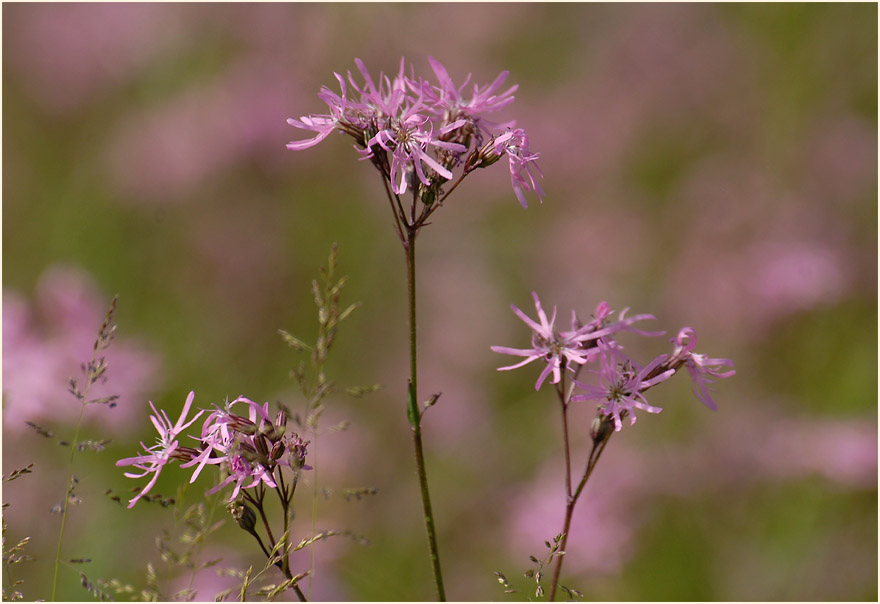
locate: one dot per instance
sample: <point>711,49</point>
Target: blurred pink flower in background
<point>46,340</point>
<point>589,236</point>
<point>766,446</point>
<point>604,523</point>
<point>170,150</point>
<point>644,74</point>
<point>71,54</point>
<point>798,275</point>
<point>453,353</point>
<point>840,159</point>
<point>798,255</point>
<point>746,450</point>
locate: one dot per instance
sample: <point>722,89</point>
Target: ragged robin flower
<point>621,384</point>
<point>416,130</point>
<point>702,369</point>
<point>166,449</point>
<point>561,349</point>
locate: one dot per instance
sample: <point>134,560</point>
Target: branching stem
<point>572,497</point>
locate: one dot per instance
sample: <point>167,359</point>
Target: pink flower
<point>703,370</point>
<point>47,337</point>
<point>404,116</point>
<point>239,471</point>
<point>558,349</point>
<point>515,144</point>
<point>389,98</point>
<point>161,453</point>
<point>450,100</point>
<point>621,384</point>
<point>220,430</point>
<point>407,140</point>
<point>323,124</point>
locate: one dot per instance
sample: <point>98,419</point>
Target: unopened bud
<point>433,400</point>
<point>242,424</point>
<point>243,515</point>
<point>483,157</point>
<point>184,454</point>
<point>601,427</point>
<point>261,444</point>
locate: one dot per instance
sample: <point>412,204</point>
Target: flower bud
<point>243,515</point>
<point>427,195</point>
<point>241,424</point>
<point>601,427</point>
<point>483,157</point>
<point>277,451</point>
<point>184,454</point>
<point>261,444</point>
<point>281,418</point>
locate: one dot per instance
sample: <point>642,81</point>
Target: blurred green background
<point>715,165</point>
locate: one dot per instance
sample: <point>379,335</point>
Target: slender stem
<point>256,536</point>
<point>73,446</point>
<point>591,464</point>
<point>563,404</point>
<point>592,460</point>
<point>569,509</point>
<point>287,573</point>
<point>571,498</point>
<point>415,417</point>
<point>259,505</point>
<point>285,535</point>
<point>314,454</point>
<point>397,217</point>
<point>426,212</point>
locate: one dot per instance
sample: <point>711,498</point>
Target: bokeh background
<point>715,165</point>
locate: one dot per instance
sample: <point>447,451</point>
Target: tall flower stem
<point>571,499</point>
<point>414,414</point>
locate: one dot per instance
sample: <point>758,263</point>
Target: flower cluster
<point>247,449</point>
<point>417,132</point>
<point>621,381</point>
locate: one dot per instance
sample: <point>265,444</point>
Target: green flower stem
<point>571,498</point>
<point>73,447</point>
<point>283,564</point>
<point>415,416</point>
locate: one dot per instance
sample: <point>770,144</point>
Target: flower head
<point>621,384</point>
<point>557,349</point>
<point>240,470</point>
<point>702,369</point>
<point>161,453</point>
<point>408,140</point>
<point>515,144</point>
<point>414,129</point>
<point>561,349</point>
<point>450,101</point>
